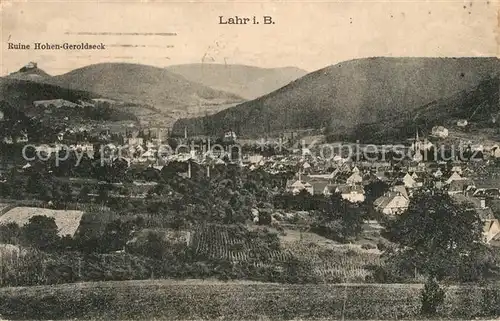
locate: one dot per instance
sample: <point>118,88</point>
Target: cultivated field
<point>202,300</point>
<point>340,264</point>
<point>5,207</point>
<point>329,261</point>
<point>67,221</point>
<point>215,242</point>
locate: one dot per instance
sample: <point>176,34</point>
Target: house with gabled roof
<point>319,186</point>
<point>392,202</point>
<point>355,178</point>
<point>401,189</point>
<point>438,173</point>
<point>330,189</point>
<point>492,181</point>
<point>460,186</point>
<point>381,176</point>
<point>409,181</point>
<point>486,191</point>
<point>147,156</point>
<point>491,225</point>
<point>297,186</point>
<point>329,176</point>
<point>495,151</point>
<point>345,167</point>
<point>352,193</point>
<point>454,177</point>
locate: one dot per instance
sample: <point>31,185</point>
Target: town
<point>385,183</point>
<point>93,189</point>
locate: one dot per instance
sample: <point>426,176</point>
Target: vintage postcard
<point>238,160</point>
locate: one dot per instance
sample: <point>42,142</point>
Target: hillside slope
<point>480,106</point>
<point>246,81</point>
<point>345,95</point>
<point>16,104</point>
<point>142,84</point>
<point>22,93</point>
<point>32,74</point>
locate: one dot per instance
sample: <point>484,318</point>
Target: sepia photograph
<point>235,160</point>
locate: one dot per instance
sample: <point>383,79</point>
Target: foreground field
<point>182,300</point>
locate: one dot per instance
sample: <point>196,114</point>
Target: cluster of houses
<point>475,186</point>
<point>473,183</point>
<point>461,182</point>
<point>349,186</point>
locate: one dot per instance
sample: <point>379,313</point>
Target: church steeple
<point>417,147</point>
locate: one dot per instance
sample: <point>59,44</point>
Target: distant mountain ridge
<point>155,95</point>
<point>246,81</point>
<point>341,97</point>
<point>143,84</point>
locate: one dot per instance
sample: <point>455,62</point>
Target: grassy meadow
<point>242,300</point>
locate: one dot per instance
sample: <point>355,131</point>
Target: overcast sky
<point>308,35</point>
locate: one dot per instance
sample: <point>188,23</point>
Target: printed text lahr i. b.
<point>237,20</point>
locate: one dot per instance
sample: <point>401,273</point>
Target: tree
<point>151,174</point>
<point>83,195</point>
<point>103,194</point>
<point>67,194</point>
<point>432,297</point>
<point>116,235</point>
<point>439,238</point>
<point>56,193</point>
<point>44,194</point>
<point>375,190</point>
<point>117,171</point>
<point>34,183</point>
<point>10,233</point>
<point>155,246</point>
<point>84,167</point>
<point>41,232</point>
<point>265,217</point>
<point>339,219</point>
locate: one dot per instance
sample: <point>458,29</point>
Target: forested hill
<point>345,95</point>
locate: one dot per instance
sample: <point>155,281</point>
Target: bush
<point>490,301</point>
<point>432,297</point>
<point>10,233</point>
<point>368,246</point>
<point>384,245</point>
<point>265,217</point>
<point>41,233</point>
